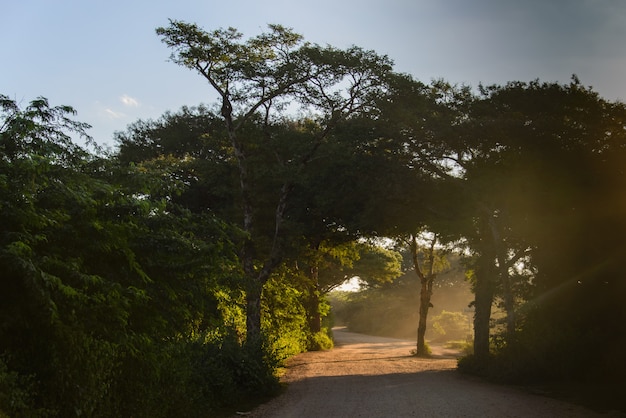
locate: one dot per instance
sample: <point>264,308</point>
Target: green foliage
<point>466,347</point>
<point>199,376</point>
<point>257,80</point>
<point>276,67</point>
<point>377,265</point>
<point>549,173</point>
<point>124,277</point>
<point>285,318</point>
<point>320,341</point>
<point>17,393</point>
<point>450,326</point>
<point>112,294</point>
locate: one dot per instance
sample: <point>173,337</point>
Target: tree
<point>55,299</point>
<point>192,148</point>
<point>543,172</point>
<point>327,266</point>
<point>107,285</point>
<point>426,289</point>
<point>413,128</point>
<point>259,80</point>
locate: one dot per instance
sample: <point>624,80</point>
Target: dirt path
<point>367,376</point>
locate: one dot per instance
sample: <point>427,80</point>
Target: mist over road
<point>367,376</point>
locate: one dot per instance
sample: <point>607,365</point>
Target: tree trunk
<point>482,303</point>
<point>253,313</point>
<point>315,318</point>
<point>256,278</point>
<point>509,303</point>
<point>426,292</point>
<point>484,289</point>
<point>425,295</point>
<point>254,285</point>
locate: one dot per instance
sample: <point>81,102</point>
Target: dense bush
<point>284,322</point>
<point>546,351</point>
<point>115,301</point>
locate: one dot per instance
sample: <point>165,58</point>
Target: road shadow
<point>427,393</point>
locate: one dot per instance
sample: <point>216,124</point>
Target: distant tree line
<point>174,274</point>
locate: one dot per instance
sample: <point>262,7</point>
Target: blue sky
<point>104,58</point>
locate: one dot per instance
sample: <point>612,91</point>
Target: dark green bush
<point>16,394</point>
<point>198,376</point>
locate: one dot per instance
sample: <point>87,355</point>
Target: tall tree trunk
<point>484,288</point>
<point>426,292</point>
<point>315,318</point>
<point>254,288</point>
<point>425,296</point>
<point>258,278</point>
<point>253,313</point>
<point>255,278</point>
<point>483,291</point>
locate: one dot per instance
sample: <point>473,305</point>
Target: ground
<point>367,376</point>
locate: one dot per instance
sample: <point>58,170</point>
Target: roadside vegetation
<point>173,275</point>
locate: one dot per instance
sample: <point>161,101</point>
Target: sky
<point>104,58</point>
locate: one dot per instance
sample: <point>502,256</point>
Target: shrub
<point>284,320</point>
<point>320,341</point>
<point>16,394</point>
<point>199,376</point>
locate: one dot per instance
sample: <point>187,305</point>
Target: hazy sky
<point>104,58</point>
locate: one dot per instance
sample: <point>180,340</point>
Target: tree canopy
<point>200,252</point>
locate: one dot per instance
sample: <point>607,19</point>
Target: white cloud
<point>129,101</point>
<point>113,114</point>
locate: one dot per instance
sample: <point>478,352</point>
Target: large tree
<point>261,80</point>
<point>411,136</point>
<point>548,179</point>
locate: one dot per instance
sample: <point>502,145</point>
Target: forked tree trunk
<point>425,296</point>
<point>254,283</point>
<point>426,292</point>
<point>258,277</point>
<point>255,278</point>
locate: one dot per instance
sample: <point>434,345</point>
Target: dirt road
<point>368,376</point>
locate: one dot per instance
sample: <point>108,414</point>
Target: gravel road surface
<point>367,376</point>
